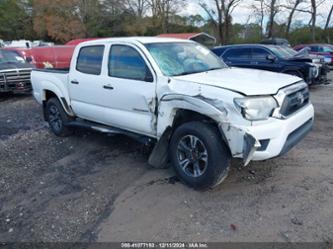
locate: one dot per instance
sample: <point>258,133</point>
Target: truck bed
<point>53,70</point>
<point>54,80</point>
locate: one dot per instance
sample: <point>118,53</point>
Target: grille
<point>295,101</point>
<point>15,80</point>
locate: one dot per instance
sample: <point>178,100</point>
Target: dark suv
<point>269,57</point>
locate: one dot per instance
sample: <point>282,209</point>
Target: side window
<point>125,62</point>
<point>314,49</point>
<point>259,54</point>
<point>327,50</point>
<point>90,60</point>
<point>237,54</point>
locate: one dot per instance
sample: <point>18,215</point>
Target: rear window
<point>90,60</point>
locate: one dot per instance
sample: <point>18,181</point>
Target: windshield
<point>283,52</point>
<point>182,58</point>
<point>10,57</point>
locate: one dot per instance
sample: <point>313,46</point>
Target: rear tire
<point>199,156</point>
<point>57,118</point>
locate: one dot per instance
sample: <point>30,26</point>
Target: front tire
<point>199,156</point>
<point>57,118</point>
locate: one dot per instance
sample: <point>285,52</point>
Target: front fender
<point>240,142</point>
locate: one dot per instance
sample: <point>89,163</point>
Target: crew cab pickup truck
<point>178,96</point>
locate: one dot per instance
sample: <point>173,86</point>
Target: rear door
<point>88,97</point>
<point>237,57</point>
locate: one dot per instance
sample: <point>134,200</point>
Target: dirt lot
<point>93,187</point>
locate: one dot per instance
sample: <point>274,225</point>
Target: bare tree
<point>162,10</point>
<point>328,21</point>
<point>221,17</point>
<point>259,11</point>
<point>138,7</point>
<point>273,9</point>
<point>269,9</point>
<point>293,8</point>
<point>314,9</point>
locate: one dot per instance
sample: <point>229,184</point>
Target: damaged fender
<point>241,143</point>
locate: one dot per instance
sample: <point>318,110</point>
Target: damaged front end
<point>241,143</point>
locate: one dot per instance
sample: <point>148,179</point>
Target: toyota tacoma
<point>197,112</point>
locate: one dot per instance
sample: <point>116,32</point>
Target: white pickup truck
<point>177,95</point>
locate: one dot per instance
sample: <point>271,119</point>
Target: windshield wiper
<point>193,72</point>
<point>214,68</point>
<point>187,73</point>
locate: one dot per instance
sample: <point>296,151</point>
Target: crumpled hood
<point>245,81</point>
<point>13,65</point>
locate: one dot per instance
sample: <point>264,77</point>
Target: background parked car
<point>317,60</point>
<point>325,50</point>
<point>14,72</point>
<point>268,57</point>
<point>46,57</point>
<point>58,56</point>
<point>20,44</point>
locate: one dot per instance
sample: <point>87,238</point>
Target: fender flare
<point>57,92</point>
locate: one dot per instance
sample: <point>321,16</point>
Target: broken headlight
<point>256,108</point>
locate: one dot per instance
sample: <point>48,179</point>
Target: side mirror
<point>271,58</point>
<point>149,77</point>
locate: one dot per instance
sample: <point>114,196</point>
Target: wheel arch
<point>52,93</point>
<point>175,110</point>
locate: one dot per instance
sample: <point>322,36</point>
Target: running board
<point>109,130</point>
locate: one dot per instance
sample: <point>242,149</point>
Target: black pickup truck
<point>14,73</point>
<point>273,58</point>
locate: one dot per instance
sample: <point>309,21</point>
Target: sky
<point>243,11</point>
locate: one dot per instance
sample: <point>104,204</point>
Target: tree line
<point>63,20</point>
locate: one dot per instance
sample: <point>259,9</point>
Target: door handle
<point>75,82</point>
<point>108,87</point>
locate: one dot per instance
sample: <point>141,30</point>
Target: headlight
<point>314,72</point>
<point>256,108</point>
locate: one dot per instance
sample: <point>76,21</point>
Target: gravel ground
<point>92,187</point>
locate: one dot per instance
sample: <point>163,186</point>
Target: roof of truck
<point>140,39</point>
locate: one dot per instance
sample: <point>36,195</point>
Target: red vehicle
<point>78,41</point>
<point>50,57</point>
<point>47,57</point>
<point>325,50</point>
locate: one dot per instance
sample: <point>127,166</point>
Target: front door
<point>132,90</point>
<point>260,60</point>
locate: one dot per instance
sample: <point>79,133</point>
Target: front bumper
<point>322,78</point>
<point>17,88</point>
<point>279,136</point>
<point>17,81</point>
